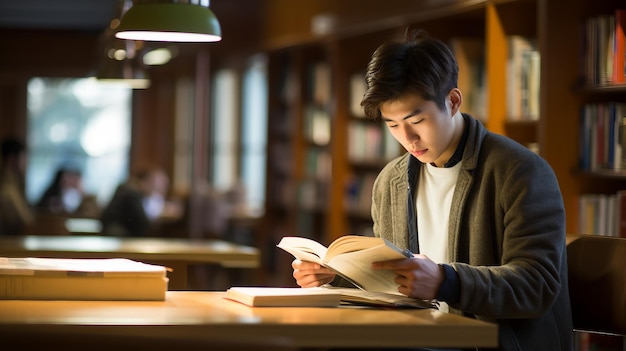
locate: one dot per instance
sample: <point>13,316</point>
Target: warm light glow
<point>76,243</point>
<point>157,57</point>
<point>133,83</point>
<point>83,225</point>
<point>168,36</point>
<point>119,54</point>
<point>114,23</point>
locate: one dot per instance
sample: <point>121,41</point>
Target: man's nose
<point>409,134</point>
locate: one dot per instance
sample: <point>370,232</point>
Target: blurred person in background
<point>65,196</point>
<point>15,213</point>
<point>139,205</point>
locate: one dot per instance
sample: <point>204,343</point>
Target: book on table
<point>324,296</point>
<point>283,297</point>
<point>33,278</point>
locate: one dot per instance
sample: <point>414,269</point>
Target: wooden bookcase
<point>566,89</point>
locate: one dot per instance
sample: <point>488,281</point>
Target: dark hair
<point>418,64</point>
<point>54,192</point>
<point>11,147</point>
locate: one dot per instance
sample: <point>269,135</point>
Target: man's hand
<point>418,277</point>
<point>309,274</point>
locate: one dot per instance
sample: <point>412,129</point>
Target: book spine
<point>619,47</point>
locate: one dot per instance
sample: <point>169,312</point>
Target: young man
<point>483,214</point>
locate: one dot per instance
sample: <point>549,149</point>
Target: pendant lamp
<point>124,71</point>
<point>170,20</point>
<point>120,63</point>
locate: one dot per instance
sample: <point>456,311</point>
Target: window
<point>239,133</point>
<point>254,135</point>
<point>79,124</point>
<point>225,127</point>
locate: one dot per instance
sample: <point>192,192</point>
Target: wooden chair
<point>597,283</point>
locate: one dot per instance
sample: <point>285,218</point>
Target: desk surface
<point>207,318</point>
<point>146,249</point>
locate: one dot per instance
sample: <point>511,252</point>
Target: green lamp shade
<point>175,22</point>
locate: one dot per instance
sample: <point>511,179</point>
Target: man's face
<point>421,127</point>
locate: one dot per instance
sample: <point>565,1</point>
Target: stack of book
<point>81,279</point>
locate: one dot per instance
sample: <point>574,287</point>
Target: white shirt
<point>434,198</point>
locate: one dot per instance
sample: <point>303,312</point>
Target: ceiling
<point>57,14</point>
<point>96,14</point>
<point>239,19</point>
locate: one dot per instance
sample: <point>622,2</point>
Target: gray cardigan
<point>506,238</point>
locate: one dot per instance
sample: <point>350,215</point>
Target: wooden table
<point>177,254</point>
<point>205,320</point>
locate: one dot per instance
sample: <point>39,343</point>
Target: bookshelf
<point>283,102</point>
<point>506,20</point>
<point>363,146</point>
<point>563,46</point>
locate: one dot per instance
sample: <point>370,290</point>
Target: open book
<point>351,256</point>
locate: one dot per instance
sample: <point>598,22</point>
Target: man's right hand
<point>309,274</point>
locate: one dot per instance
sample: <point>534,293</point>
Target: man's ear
<point>454,100</point>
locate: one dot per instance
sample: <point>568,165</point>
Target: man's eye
<point>392,126</point>
<point>416,121</point>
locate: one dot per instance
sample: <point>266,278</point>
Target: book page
<point>303,248</point>
<point>350,243</point>
<point>356,267</point>
<point>380,299</point>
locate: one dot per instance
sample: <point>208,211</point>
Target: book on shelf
<point>603,136</point>
<point>351,257</point>
<point>604,48</point>
<point>470,57</point>
<point>620,214</point>
<point>357,90</point>
<point>365,142</point>
<point>318,125</point>
<point>619,52</point>
<point>522,78</point>
<point>33,278</point>
<point>614,114</point>
<point>321,82</point>
<point>602,214</point>
<point>358,198</point>
<point>599,49</point>
<point>323,296</point>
